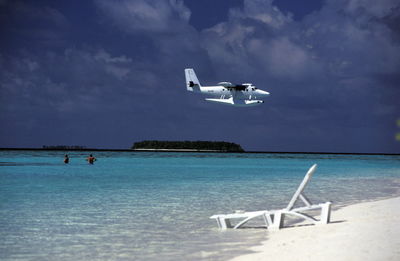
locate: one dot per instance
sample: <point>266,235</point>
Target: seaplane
<point>244,95</point>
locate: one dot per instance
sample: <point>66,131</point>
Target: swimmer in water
<point>66,159</point>
<point>91,159</point>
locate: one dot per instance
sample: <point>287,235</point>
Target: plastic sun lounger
<point>274,219</point>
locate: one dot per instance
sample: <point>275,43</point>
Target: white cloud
<point>259,39</point>
<point>102,55</point>
<point>282,58</point>
<point>151,16</point>
<point>352,32</point>
<point>266,12</point>
<point>116,66</point>
<point>374,8</point>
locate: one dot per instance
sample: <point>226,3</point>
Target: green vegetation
<point>188,145</point>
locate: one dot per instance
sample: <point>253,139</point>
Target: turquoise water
<point>156,206</point>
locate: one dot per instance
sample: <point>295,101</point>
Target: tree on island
<point>188,145</point>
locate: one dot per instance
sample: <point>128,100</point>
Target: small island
<point>63,147</point>
<point>190,146</point>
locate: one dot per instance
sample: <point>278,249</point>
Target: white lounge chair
<point>274,219</point>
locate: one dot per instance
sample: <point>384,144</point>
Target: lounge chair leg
<point>224,223</point>
<point>268,220</point>
<point>325,213</point>
<point>278,221</point>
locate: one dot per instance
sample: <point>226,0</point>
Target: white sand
<point>365,231</point>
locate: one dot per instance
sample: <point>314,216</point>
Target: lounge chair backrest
<point>300,189</point>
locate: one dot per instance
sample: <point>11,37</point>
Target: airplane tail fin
<point>192,83</point>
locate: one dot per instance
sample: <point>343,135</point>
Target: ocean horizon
<point>156,205</point>
<point>87,149</point>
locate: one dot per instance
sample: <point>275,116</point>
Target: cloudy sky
<point>107,73</point>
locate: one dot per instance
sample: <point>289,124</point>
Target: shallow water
<point>155,206</point>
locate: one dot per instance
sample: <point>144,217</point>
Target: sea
<point>156,205</point>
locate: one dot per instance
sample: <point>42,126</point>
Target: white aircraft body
<point>245,94</point>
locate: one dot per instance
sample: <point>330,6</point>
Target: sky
<point>108,73</point>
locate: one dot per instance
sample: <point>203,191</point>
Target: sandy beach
<point>364,231</point>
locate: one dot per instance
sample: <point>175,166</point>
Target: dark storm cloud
<point>83,76</point>
<point>37,25</point>
<point>333,75</point>
<point>331,61</point>
<point>333,41</point>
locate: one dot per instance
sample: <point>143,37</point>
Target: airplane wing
<point>225,84</point>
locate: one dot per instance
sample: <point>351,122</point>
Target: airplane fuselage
<point>245,94</point>
<point>222,92</point>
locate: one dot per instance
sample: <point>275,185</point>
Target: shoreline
<point>207,151</point>
<point>362,231</point>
